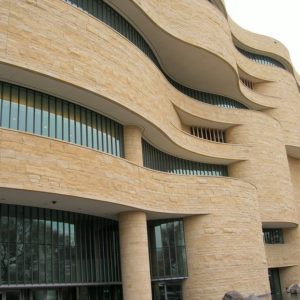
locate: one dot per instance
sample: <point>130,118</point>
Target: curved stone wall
<point>42,164</point>
<point>58,49</point>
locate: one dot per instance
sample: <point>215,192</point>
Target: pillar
<point>133,144</point>
<point>134,256</point>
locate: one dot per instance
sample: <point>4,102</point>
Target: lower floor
<point>52,254</point>
<point>65,293</point>
<point>160,291</point>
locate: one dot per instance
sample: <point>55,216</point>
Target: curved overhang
<point>293,150</point>
<point>193,119</point>
<point>260,44</point>
<point>79,178</point>
<point>257,72</point>
<point>185,61</point>
<point>278,224</point>
<point>170,140</point>
<point>75,204</point>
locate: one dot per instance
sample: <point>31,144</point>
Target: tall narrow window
<point>28,110</point>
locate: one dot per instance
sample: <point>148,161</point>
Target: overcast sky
<point>279,19</point>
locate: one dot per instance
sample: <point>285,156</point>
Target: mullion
<point>26,108</point>
<point>96,250</point>
<point>84,231</point>
<point>110,240</point>
<point>9,110</point>
<point>70,247</point>
<point>1,207</point>
<point>17,261</point>
<point>89,235</point>
<point>1,108</point>
<point>64,246</point>
<point>8,242</point>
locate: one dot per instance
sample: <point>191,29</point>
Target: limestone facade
<point>56,48</point>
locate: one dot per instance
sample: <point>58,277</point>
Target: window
<point>247,83</point>
<point>167,249</point>
<point>158,160</point>
<point>31,111</point>
<point>273,236</point>
<point>44,246</point>
<point>212,134</point>
<point>262,59</point>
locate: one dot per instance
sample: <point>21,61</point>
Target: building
<point>147,149</point>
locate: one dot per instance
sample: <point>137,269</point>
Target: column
<point>133,144</point>
<point>134,256</point>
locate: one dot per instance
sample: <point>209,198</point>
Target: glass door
<point>274,281</point>
<point>45,295</point>
<point>166,291</point>
<point>13,295</point>
<point>10,295</point>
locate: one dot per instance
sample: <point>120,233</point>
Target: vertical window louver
<point>45,246</point>
<point>262,59</point>
<point>109,16</point>
<point>31,111</point>
<point>273,236</point>
<point>247,83</point>
<point>212,134</point>
<point>160,161</point>
<point>208,98</point>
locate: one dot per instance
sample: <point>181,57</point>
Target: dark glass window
<point>31,111</point>
<point>273,236</point>
<point>46,246</point>
<point>212,134</point>
<point>274,278</point>
<point>171,290</point>
<point>158,160</point>
<point>167,249</point>
<point>262,59</point>
<point>103,12</point>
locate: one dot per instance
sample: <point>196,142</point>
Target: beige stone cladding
<point>41,164</point>
<point>224,252</point>
<point>290,256</point>
<point>282,86</point>
<point>37,163</point>
<point>133,145</point>
<point>223,216</point>
<point>72,49</point>
<point>135,267</point>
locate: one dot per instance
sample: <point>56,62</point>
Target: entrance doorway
<point>12,295</point>
<point>166,291</point>
<point>275,284</point>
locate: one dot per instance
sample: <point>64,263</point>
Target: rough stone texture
<point>276,201</point>
<point>52,39</point>
<point>260,42</point>
<point>79,50</point>
<point>43,164</point>
<point>133,144</point>
<point>211,257</point>
<point>136,282</point>
<point>233,295</point>
<point>290,254</point>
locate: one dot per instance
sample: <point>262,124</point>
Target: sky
<point>279,19</point>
